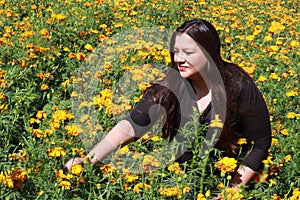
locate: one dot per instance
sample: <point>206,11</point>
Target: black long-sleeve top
<point>252,121</point>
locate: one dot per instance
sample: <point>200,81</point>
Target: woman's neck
<point>200,87</point>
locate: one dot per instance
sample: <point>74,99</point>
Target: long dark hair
<point>206,36</point>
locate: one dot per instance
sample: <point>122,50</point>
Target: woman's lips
<point>182,68</point>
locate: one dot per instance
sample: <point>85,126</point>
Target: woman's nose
<point>178,58</point>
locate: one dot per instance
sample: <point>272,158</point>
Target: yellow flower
<point>130,178</point>
<point>275,141</point>
<point>262,79</point>
<point>88,47</point>
<point>284,132</point>
<point>242,141</point>
<point>294,44</point>
<point>231,194</point>
<point>273,48</point>
<point>41,115</point>
<point>103,26</point>
<point>226,164</point>
<point>292,115</point>
<point>228,39</point>
<point>73,130</point>
<point>207,193</point>
<point>6,179</point>
<point>216,123</point>
<point>268,38</point>
<point>291,93</point>
<point>107,169</point>
<point>296,194</point>
<point>156,138</point>
<point>276,27</point>
<point>186,189</point>
<point>287,158</point>
<point>44,32</point>
<point>76,169</point>
<point>200,197</point>
<point>56,152</point>
<point>175,167</point>
<point>66,185</point>
<point>171,191</point>
<point>250,37</point>
<point>144,85</point>
<point>37,133</point>
<point>221,185</point>
<point>59,17</point>
<point>150,161</point>
<point>44,87</point>
<point>139,186</point>
<point>13,178</point>
<point>124,150</point>
<point>274,76</point>
<point>80,56</point>
<point>272,182</point>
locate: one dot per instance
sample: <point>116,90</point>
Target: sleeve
<point>147,112</point>
<point>255,125</point>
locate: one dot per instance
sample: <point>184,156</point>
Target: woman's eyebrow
<point>185,49</point>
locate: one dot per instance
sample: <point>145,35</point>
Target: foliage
<point>44,43</point>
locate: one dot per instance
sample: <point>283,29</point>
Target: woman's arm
<point>119,134</point>
<point>242,177</point>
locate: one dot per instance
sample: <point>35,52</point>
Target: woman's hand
<point>218,197</point>
<point>71,162</point>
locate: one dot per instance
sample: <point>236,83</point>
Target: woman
<point>195,56</point>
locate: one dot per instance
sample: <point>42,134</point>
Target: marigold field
<point>43,43</point>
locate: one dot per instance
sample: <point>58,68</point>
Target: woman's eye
<point>189,53</point>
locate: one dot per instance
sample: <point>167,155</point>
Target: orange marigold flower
<point>287,158</point>
<point>76,169</point>
<point>284,132</point>
<point>296,194</point>
<point>231,193</point>
<point>13,178</point>
<point>130,178</point>
<point>44,32</point>
<point>80,56</point>
<point>292,115</point>
<point>226,164</point>
<point>41,115</point>
<point>291,93</point>
<point>216,123</point>
<point>56,152</point>
<point>276,27</point>
<point>73,130</point>
<point>139,186</point>
<point>44,87</point>
<point>66,185</point>
<point>37,133</point>
<point>262,79</point>
<point>6,179</point>
<point>242,141</point>
<point>88,47</point>
<point>60,17</point>
<point>200,197</point>
<point>275,142</point>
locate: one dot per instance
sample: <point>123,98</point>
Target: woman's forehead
<point>184,41</point>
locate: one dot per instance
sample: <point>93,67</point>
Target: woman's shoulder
<point>157,92</point>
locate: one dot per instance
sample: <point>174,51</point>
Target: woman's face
<point>188,57</point>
